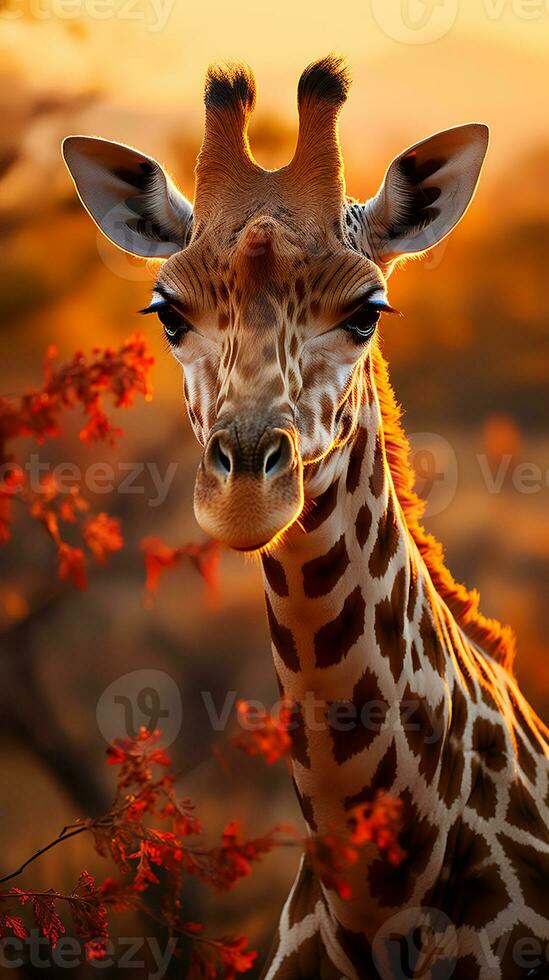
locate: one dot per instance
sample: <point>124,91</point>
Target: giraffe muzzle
<point>249,486</point>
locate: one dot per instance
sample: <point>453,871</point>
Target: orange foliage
<point>262,734</point>
<point>159,557</point>
<point>83,382</point>
<point>149,828</point>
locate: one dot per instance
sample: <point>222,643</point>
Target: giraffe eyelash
<point>362,323</point>
<point>174,323</point>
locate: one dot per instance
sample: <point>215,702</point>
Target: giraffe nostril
<point>278,455</point>
<point>273,458</point>
<point>219,457</point>
<point>223,459</point>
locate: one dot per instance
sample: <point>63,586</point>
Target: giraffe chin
<point>245,515</point>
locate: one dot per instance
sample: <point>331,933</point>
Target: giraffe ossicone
<point>270,294</point>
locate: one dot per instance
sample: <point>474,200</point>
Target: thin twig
<point>53,843</point>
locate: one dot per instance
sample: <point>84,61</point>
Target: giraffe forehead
<point>267,276</point>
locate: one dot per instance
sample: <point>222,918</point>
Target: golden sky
<point>418,65</point>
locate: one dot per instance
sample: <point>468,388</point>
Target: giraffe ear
<point>129,196</point>
<point>425,192</point>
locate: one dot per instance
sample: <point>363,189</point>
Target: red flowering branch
<point>261,734</point>
<point>145,792</point>
<point>159,557</point>
<point>149,828</point>
<point>81,382</point>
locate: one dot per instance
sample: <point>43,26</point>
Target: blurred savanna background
<point>470,362</point>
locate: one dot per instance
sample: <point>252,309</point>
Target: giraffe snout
<point>271,456</point>
<point>249,486</point>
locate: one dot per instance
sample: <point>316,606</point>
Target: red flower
<point>102,535</point>
<point>159,557</point>
<point>262,734</point>
<point>72,566</point>
<point>379,822</point>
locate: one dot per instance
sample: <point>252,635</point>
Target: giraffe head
<point>272,283</point>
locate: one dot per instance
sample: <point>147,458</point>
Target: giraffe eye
<point>363,322</point>
<point>175,325</point>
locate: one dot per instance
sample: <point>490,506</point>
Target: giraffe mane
<point>494,638</point>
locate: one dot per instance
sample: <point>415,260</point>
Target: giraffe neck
<point>352,613</point>
<point>391,695</point>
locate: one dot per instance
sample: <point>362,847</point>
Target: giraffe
<point>270,290</point>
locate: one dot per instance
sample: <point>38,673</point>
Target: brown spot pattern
<point>532,869</point>
<point>322,574</point>
<point>433,646</point>
<point>377,478</point>
<point>451,773</point>
<point>275,575</point>
<point>393,886</point>
<point>389,626</point>
<point>490,743</point>
<point>355,727</point>
<point>300,750</point>
<point>383,778</point>
<point>333,641</point>
<point>386,543</point>
<point>421,725</point>
<point>321,508</point>
<point>363,524</point>
<point>356,457</point>
<point>283,640</point>
<point>483,797</point>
